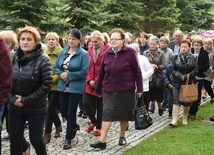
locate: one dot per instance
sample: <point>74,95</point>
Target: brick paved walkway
<point>80,145</point>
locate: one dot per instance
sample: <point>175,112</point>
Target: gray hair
<point>154,38</point>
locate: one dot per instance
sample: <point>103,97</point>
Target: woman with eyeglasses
<point>119,79</point>
<point>72,67</point>
<point>203,65</point>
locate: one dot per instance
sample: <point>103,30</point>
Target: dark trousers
<point>208,88</point>
<point>170,99</point>
<point>94,105</point>
<point>194,108</point>
<point>52,116</point>
<point>146,100</point>
<point>16,131</point>
<point>1,113</point>
<point>5,116</point>
<point>68,106</point>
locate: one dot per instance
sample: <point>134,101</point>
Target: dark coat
<point>172,46</point>
<point>32,79</point>
<point>5,73</point>
<point>203,62</point>
<point>181,66</point>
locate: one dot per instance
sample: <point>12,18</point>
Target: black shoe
<point>98,144</point>
<point>73,135</point>
<point>67,144</point>
<point>212,100</point>
<point>212,119</point>
<point>122,141</point>
<point>84,116</point>
<point>160,112</point>
<point>192,116</point>
<point>80,114</point>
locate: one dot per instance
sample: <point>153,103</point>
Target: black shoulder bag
<point>141,116</point>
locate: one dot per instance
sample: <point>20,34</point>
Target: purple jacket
<point>120,72</point>
<point>5,73</point>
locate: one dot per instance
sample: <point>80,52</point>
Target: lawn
<point>196,138</point>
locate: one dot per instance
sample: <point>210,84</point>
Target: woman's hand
<point>64,76</point>
<point>139,94</point>
<point>92,84</point>
<point>154,66</point>
<point>18,102</point>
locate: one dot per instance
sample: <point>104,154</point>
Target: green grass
<point>196,138</point>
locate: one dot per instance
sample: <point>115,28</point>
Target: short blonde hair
<point>198,39</point>
<point>97,34</point>
<point>54,34</point>
<point>106,37</point>
<point>209,41</point>
<point>30,29</point>
<point>9,37</point>
<point>164,38</point>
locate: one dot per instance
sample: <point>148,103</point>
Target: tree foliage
<point>132,15</point>
<point>195,14</point>
<point>31,12</point>
<point>160,17</point>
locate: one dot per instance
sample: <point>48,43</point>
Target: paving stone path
<point>80,145</point>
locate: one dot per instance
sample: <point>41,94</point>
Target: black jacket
<point>182,65</point>
<point>203,62</point>
<point>32,79</point>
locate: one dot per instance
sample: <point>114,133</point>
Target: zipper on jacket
<point>20,70</point>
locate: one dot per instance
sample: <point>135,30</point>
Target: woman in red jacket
<point>92,103</point>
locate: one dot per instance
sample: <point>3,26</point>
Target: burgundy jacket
<point>120,72</point>
<point>5,73</point>
<point>94,68</point>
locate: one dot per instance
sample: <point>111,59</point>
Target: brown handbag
<point>188,92</point>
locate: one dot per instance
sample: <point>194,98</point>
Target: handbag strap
<point>187,79</point>
<point>140,102</point>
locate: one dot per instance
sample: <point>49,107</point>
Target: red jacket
<point>94,68</point>
<point>5,73</point>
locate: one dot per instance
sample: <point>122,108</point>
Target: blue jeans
<point>68,106</point>
<point>1,113</point>
<point>16,131</point>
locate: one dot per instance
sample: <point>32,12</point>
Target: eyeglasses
<point>115,39</point>
<point>196,45</point>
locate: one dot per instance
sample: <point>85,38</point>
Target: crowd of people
<point>102,74</point>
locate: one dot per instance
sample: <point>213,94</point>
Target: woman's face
<point>185,48</point>
<point>52,42</point>
<point>153,45</point>
<point>207,46</point>
<point>86,38</point>
<point>116,41</point>
<point>143,39</point>
<point>197,47</point>
<point>96,42</point>
<point>163,44</point>
<point>27,42</point>
<point>73,41</point>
